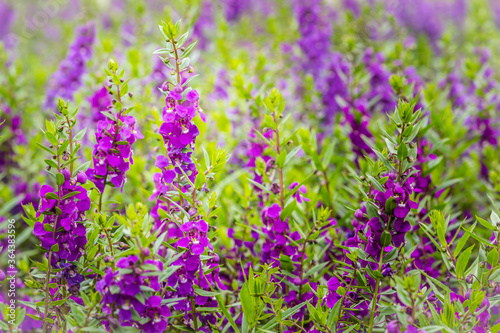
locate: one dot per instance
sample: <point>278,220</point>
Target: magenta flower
<point>196,237</point>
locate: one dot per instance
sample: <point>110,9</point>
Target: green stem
<point>375,294</point>
<point>193,311</point>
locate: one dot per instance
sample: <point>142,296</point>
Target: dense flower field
<point>250,166</point>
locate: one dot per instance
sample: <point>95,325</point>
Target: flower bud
<point>145,252</point>
<point>112,65</point>
<point>81,177</point>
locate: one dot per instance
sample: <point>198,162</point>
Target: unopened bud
<point>145,252</point>
<point>130,95</point>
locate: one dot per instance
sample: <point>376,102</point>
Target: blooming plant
<point>273,166</point>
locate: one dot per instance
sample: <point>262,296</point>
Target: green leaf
<point>59,178</point>
<point>402,152</point>
<point>462,262</point>
<point>69,195</point>
<point>280,161</point>
<point>486,224</point>
<point>250,305</point>
<point>463,240</point>
<point>188,49</point>
<point>52,139</point>
<point>58,303</point>
<point>492,257</point>
<point>269,122</point>
<point>45,148</point>
<point>286,314</point>
<point>55,247</point>
<point>202,292</point>
<point>288,210</point>
<point>52,164</point>
<point>63,147</point>
<point>51,195</point>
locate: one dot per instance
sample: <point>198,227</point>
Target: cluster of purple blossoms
<point>203,25</point>
<point>438,13</point>
<point>7,17</point>
<point>393,205</point>
<point>68,77</point>
<point>457,90</point>
<point>123,294</point>
<point>190,276</point>
<point>112,154</point>
<point>99,101</point>
<point>360,310</point>
<point>234,9</point>
<point>380,86</point>
<point>358,118</point>
<point>406,13</point>
<point>276,243</point>
<point>66,229</point>
<point>335,86</point>
<point>179,133</point>
<point>12,134</point>
<point>316,32</point>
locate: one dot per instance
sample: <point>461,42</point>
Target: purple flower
<point>158,314</point>
<point>332,297</point>
<point>68,77</point>
<point>297,195</point>
<point>392,327</point>
<point>196,237</point>
<point>112,154</point>
<point>72,238</point>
